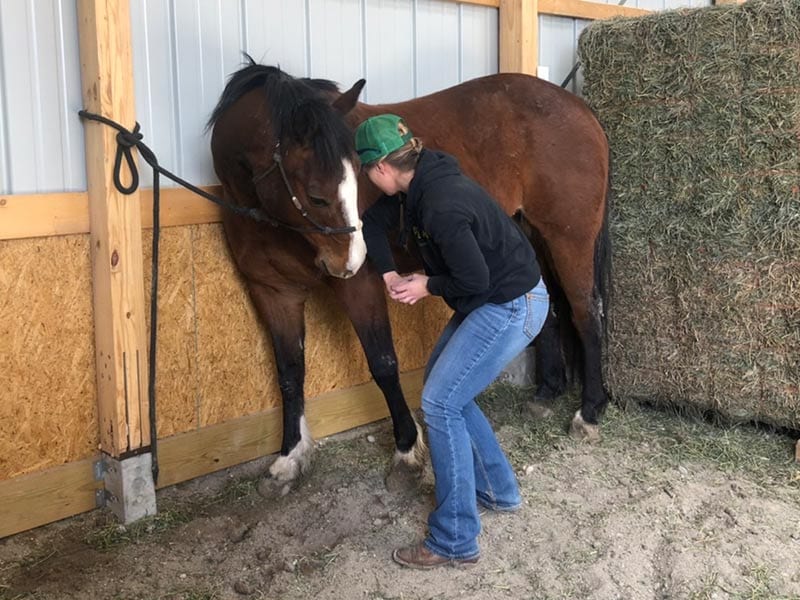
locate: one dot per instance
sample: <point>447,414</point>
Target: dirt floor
<point>662,507</point>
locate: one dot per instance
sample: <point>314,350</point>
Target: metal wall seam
<point>5,161</point>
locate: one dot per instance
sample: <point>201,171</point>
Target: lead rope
<point>128,139</point>
<point>125,141</point>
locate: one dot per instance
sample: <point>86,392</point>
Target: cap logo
<point>379,136</point>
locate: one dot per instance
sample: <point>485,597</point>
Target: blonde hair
<point>406,157</point>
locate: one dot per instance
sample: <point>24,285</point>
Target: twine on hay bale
<point>702,111</point>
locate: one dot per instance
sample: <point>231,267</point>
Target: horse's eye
<point>320,202</point>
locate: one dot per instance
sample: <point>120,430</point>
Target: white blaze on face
<point>348,197</point>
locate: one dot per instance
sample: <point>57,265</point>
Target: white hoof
<point>294,464</point>
<point>415,457</point>
<point>581,430</point>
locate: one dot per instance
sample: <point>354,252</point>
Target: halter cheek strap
<point>316,227</point>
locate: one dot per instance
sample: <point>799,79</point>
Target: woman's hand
<point>409,288</point>
<point>391,279</point>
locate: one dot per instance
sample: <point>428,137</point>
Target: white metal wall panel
<point>556,48</point>
<point>41,137</point>
<point>479,41</point>
<point>389,64</point>
<point>276,33</point>
<point>184,50</point>
<point>153,57</point>
<point>336,40</point>
<point>437,46</point>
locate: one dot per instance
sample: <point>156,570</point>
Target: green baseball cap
<point>381,135</point>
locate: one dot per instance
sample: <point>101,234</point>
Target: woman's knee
<point>436,405</point>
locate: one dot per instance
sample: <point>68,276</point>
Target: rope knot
<point>125,141</point>
<point>129,139</point>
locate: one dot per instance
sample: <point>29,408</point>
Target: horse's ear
<point>345,103</point>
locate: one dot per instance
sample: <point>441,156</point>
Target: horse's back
<point>533,145</point>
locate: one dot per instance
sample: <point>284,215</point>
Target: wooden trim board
<point>593,11</point>
<point>39,498</point>
<point>67,213</point>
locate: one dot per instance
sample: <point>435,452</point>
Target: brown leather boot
<point>419,557</point>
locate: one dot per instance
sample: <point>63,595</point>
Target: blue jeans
<point>468,463</point>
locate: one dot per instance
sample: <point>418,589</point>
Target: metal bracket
<point>128,486</point>
<point>99,469</point>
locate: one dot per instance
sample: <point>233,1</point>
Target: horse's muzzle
<point>341,274</point>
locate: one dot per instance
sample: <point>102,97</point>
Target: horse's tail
<point>603,268</point>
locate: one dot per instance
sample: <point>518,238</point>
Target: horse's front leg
<point>364,301</point>
<point>283,316</point>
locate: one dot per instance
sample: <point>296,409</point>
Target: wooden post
<point>116,245</point>
<point>519,36</point>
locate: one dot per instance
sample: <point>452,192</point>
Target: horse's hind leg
<point>550,372</point>
<point>364,301</point>
<point>283,316</point>
<point>573,259</point>
<point>551,379</point>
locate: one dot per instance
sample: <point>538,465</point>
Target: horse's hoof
<point>271,488</point>
<point>539,410</point>
<point>294,464</point>
<point>403,477</point>
<point>581,430</point>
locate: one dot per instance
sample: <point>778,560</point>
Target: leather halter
<point>317,228</point>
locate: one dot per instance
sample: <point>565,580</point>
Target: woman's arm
<point>379,219</point>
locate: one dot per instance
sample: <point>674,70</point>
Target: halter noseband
<point>317,228</point>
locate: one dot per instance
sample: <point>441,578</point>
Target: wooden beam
<point>489,3</point>
<point>580,9</point>
<point>190,455</point>
<point>116,230</point>
<point>42,215</point>
<point>32,500</point>
<point>179,206</point>
<point>38,498</point>
<point>519,36</point>
<point>577,9</point>
<point>67,213</point>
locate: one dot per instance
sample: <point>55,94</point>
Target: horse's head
<point>292,143</point>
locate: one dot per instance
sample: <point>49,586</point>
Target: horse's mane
<point>300,109</point>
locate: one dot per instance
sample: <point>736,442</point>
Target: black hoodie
<point>473,253</point>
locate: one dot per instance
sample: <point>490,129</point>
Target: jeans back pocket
<point>538,305</point>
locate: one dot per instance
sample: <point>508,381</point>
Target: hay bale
<point>702,111</point>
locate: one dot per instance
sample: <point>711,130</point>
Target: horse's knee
<point>384,371</point>
<point>383,366</point>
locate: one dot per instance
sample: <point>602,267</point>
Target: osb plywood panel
<point>48,406</point>
<point>236,371</point>
<point>177,400</point>
<point>214,360</point>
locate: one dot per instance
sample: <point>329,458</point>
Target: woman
<point>480,263</point>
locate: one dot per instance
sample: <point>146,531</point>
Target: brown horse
<point>284,146</point>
